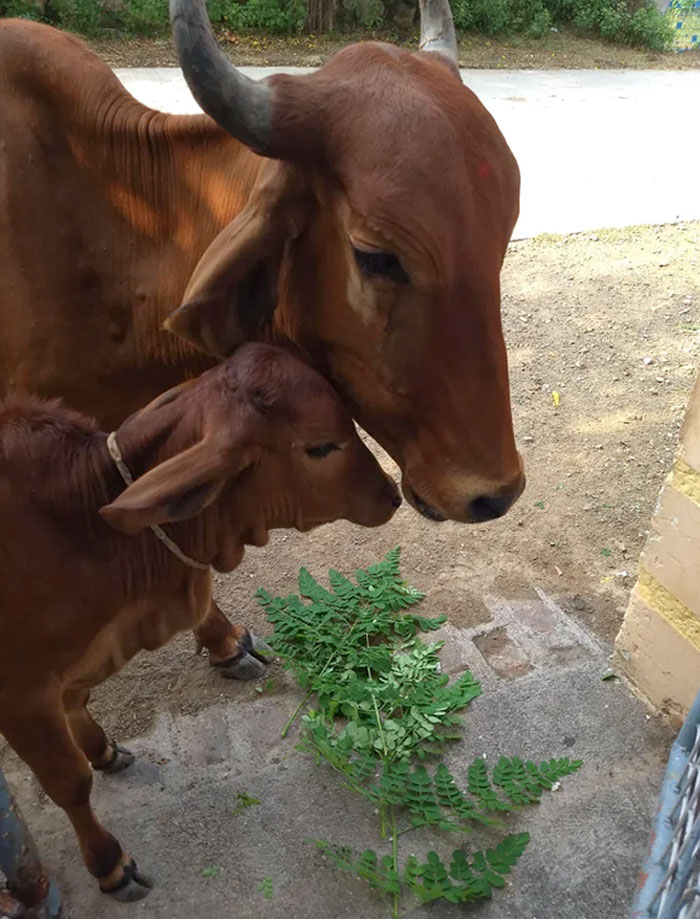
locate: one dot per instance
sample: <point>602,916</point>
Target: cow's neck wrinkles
<point>171,184</point>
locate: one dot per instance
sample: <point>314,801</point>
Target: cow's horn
<point>238,104</point>
<point>437,29</point>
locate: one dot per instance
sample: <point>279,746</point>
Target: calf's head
<point>265,437</point>
<point>373,238</point>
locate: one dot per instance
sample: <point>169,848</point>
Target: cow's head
<point>374,239</point>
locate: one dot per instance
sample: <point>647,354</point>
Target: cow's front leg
<point>38,731</point>
<point>233,650</point>
<point>105,755</point>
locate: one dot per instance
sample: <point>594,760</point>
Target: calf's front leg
<point>105,755</point>
<point>39,733</point>
<point>233,650</point>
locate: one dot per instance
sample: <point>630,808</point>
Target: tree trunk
<point>320,16</point>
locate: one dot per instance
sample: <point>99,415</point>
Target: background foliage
<point>633,22</point>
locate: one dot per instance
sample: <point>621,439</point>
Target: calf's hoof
<point>250,662</point>
<point>9,907</point>
<point>120,760</point>
<point>133,886</point>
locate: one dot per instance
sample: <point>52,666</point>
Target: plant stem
<point>380,728</point>
<point>395,858</point>
<point>299,707</point>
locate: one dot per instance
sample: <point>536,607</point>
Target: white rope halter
<point>116,455</point>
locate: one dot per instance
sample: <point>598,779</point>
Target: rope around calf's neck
<point>173,547</point>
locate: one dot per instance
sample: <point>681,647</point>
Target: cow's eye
<point>385,264</point>
<point>322,450</point>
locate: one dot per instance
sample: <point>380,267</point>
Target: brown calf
<point>259,442</point>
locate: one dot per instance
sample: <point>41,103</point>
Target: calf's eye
<point>322,450</point>
<point>384,264</point>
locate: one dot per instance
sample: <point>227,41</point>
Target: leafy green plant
<point>277,16</point>
<point>463,14</point>
<point>243,802</point>
<point>491,16</point>
<point>383,712</point>
<point>77,15</point>
<point>635,22</point>
<point>22,9</point>
<point>144,17</point>
<point>647,27</point>
<point>529,16</point>
<point>616,21</point>
<point>266,888</point>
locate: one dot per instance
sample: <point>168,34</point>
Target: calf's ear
<point>178,489</point>
<point>232,293</point>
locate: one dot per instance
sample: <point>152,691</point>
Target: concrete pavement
<point>595,148</point>
<point>543,696</point>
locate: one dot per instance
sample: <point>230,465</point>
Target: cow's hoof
<point>133,886</point>
<point>244,667</point>
<point>250,662</point>
<point>121,759</point>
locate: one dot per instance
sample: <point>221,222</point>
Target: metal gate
<point>669,887</point>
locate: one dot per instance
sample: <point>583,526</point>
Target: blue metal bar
<point>26,882</point>
<point>653,882</point>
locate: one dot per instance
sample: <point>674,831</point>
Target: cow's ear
<point>232,293</point>
<point>178,489</point>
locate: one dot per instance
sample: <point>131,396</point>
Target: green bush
<point>497,16</point>
<point>143,17</point>
<point>147,17</point>
<point>84,16</point>
<point>647,27</point>
<point>266,15</point>
<point>613,20</point>
<point>463,14</point>
<point>562,10</point>
<point>22,9</point>
<point>529,16</point>
<point>217,9</point>
<point>632,22</point>
<point>622,21</point>
<point>491,16</point>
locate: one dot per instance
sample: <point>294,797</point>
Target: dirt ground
<point>555,50</point>
<point>611,322</point>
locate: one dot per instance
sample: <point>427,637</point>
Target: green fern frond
<point>383,709</point>
<point>479,785</point>
<point>378,872</point>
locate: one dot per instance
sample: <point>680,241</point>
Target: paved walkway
<point>596,148</point>
<point>543,696</point>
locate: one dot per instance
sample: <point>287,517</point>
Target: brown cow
<point>259,442</point>
<point>370,232</point>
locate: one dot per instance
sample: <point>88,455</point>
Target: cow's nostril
<point>489,507</point>
<point>396,501</point>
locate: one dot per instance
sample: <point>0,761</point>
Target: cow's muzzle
<point>491,507</point>
<point>423,508</point>
<point>483,507</point>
